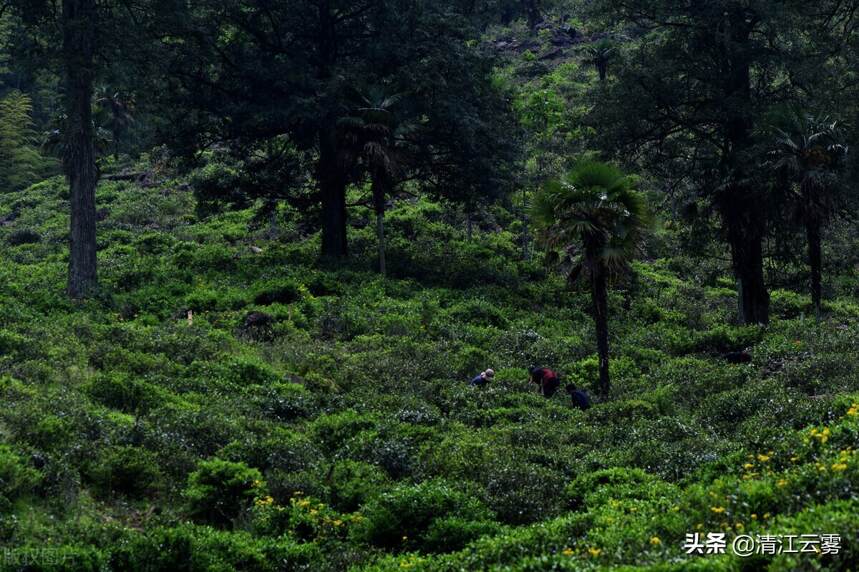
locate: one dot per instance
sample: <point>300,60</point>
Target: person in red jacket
<point>547,380</point>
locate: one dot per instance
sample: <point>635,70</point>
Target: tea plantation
<point>231,402</point>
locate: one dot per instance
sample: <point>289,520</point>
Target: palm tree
<point>115,112</point>
<point>372,135</point>
<point>601,54</point>
<point>808,157</point>
<point>592,221</point>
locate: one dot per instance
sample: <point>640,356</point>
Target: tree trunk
<point>746,240</point>
<point>812,231</point>
<point>532,12</point>
<point>379,207</point>
<point>526,236</point>
<point>743,208</point>
<point>602,68</point>
<point>599,295</point>
<point>332,185</point>
<point>79,31</point>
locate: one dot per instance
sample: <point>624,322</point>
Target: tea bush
<point>16,478</point>
<point>131,471</point>
<point>343,434</point>
<point>219,491</point>
<point>408,517</point>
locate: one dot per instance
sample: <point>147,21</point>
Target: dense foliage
<point>315,222</point>
<point>320,417</point>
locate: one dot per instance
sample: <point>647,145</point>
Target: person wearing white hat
<point>483,378</point>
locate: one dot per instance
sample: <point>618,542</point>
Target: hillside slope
<point>228,403</point>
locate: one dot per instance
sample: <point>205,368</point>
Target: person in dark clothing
<point>483,378</point>
<point>579,397</point>
<point>547,380</point>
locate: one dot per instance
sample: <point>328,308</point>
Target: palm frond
<point>594,204</point>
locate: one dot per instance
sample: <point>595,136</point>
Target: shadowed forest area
<point>258,258</point>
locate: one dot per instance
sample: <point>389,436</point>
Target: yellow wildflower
<point>717,509</point>
<point>567,551</point>
<point>748,466</point>
<point>594,551</point>
<point>763,458</point>
<point>839,467</point>
<point>655,540</point>
<point>754,516</point>
<point>739,526</point>
<point>781,482</point>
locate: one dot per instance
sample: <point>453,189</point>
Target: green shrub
<point>23,236</point>
<point>353,483</point>
<point>789,304</point>
<point>723,339</point>
<point>388,448</point>
<point>453,533</point>
<point>334,431</point>
<point>278,448</point>
<point>131,471</point>
<point>10,342</point>
<point>125,393</point>
<point>182,432</point>
<point>520,492</point>
<point>605,485</point>
<point>478,312</point>
<point>191,547</point>
<point>218,492</point>
<point>53,433</point>
<point>214,299</point>
<point>16,478</point>
<point>402,518</point>
<point>838,517</point>
<point>283,401</point>
<point>623,410</point>
<point>241,372</point>
<point>276,292</point>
